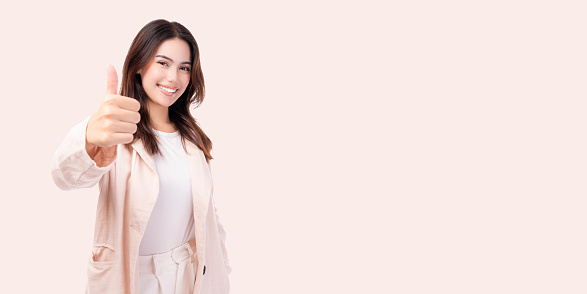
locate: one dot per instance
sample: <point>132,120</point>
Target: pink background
<point>360,147</point>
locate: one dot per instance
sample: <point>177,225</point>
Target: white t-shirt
<point>171,223</point>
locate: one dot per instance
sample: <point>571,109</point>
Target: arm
<point>73,167</point>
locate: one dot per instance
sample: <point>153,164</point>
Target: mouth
<point>167,89</point>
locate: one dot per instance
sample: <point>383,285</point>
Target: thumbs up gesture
<point>116,119</point>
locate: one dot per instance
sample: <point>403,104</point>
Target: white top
<point>171,223</point>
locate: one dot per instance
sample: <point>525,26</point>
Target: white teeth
<point>167,89</point>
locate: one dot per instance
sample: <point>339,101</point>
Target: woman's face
<point>167,75</point>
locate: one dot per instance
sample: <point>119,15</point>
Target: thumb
<point>111,80</point>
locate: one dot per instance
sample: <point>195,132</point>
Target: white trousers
<point>171,272</point>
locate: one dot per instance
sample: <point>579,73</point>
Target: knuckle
<point>104,139</point>
<point>108,125</point>
<point>109,110</point>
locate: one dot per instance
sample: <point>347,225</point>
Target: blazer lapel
<point>201,191</point>
<point>140,148</point>
<point>142,186</point>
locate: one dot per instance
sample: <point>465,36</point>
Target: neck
<point>159,116</point>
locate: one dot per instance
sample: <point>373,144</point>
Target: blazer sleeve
<point>221,232</point>
<point>72,167</point>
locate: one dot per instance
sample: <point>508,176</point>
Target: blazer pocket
<point>103,254</point>
<point>101,269</point>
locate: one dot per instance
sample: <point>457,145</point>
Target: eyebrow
<point>163,56</point>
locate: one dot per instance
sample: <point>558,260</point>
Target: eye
<point>185,68</point>
<point>162,63</point>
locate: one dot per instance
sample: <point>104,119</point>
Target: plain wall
<point>360,147</point>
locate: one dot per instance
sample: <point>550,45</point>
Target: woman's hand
<point>116,119</point>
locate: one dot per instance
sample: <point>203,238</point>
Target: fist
<point>116,119</point>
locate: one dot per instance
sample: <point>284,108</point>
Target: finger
<point>111,80</point>
<point>127,116</point>
<point>123,128</point>
<point>127,103</point>
<point>122,138</point>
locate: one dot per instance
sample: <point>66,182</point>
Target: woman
<point>157,230</point>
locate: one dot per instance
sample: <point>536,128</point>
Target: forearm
<point>73,168</point>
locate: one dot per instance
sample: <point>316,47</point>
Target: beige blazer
<point>129,187</point>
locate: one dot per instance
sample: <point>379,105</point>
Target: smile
<point>168,90</point>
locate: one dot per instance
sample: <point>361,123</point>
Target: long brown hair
<point>140,53</point>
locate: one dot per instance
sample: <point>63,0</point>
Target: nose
<point>171,75</point>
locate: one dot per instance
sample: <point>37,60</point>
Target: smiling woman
<point>163,51</point>
<point>165,80</point>
<point>157,229</point>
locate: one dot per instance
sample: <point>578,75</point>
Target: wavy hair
<point>140,53</point>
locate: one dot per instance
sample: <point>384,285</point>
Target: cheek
<point>154,74</point>
<point>185,81</point>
